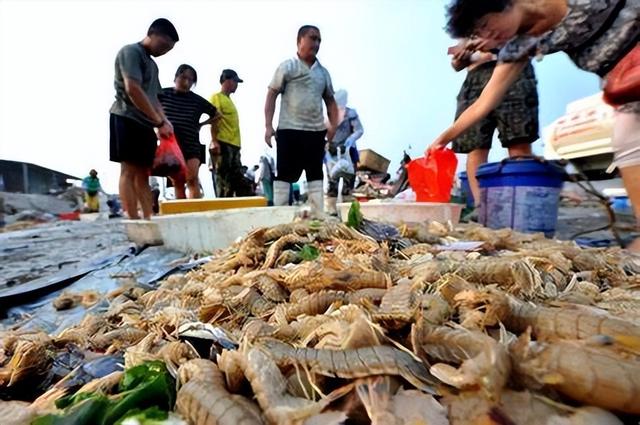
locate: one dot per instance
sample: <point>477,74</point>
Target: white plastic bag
<point>406,195</point>
<point>343,165</point>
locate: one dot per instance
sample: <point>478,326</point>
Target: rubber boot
<point>280,193</point>
<point>316,199</point>
<point>330,205</point>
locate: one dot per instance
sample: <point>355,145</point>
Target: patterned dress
<point>596,34</point>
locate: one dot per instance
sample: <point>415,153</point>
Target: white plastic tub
<point>206,231</point>
<point>406,212</point>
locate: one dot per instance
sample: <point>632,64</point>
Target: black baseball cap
<point>230,74</point>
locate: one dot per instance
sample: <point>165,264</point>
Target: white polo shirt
<point>303,89</point>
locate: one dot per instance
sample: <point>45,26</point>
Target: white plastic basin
<point>206,231</point>
<point>406,212</point>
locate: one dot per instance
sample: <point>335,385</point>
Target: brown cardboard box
<point>372,161</point>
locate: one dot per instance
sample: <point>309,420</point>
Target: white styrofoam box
<point>613,192</point>
<point>143,232</point>
<point>206,231</point>
<point>406,212</point>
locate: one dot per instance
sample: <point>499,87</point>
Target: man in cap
<point>136,112</point>
<point>304,84</point>
<point>225,143</point>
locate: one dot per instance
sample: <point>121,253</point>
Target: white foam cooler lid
<point>614,192</point>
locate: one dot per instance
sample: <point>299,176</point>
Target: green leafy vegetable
<point>88,411</point>
<point>309,253</point>
<point>150,416</point>
<point>72,399</point>
<point>147,386</point>
<point>354,217</point>
<point>315,224</point>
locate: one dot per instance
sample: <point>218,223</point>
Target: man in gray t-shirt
<point>304,84</point>
<point>136,112</point>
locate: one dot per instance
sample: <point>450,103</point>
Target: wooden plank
<point>180,206</point>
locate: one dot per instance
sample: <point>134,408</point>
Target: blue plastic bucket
<point>621,205</point>
<point>523,194</point>
<point>465,189</point>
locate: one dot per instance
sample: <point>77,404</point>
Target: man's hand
<point>331,131</point>
<point>166,129</point>
<point>214,147</point>
<point>268,134</point>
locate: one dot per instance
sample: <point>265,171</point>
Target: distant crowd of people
<point>143,111</point>
<point>498,38</point>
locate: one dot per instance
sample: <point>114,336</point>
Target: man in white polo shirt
<point>302,134</point>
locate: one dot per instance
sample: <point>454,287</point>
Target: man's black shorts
<point>131,141</point>
<point>516,118</point>
<point>299,150</point>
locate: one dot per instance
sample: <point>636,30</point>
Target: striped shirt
<point>184,110</point>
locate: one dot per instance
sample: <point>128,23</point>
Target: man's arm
<point>214,146</point>
<point>332,113</point>
<point>269,110</point>
<point>153,110</point>
<point>504,75</point>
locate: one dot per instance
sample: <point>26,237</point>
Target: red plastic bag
<point>622,84</point>
<point>431,178</point>
<point>169,160</point>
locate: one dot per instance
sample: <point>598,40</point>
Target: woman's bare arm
<point>504,75</point>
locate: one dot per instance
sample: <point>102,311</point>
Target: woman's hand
<point>439,143</point>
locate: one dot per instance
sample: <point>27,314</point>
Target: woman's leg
<point>178,187</point>
<point>193,183</point>
<point>626,148</point>
<point>631,180</point>
<point>520,149</point>
<point>475,159</point>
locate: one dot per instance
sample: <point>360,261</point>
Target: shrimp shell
<point>354,363</point>
<point>204,400</point>
<point>565,323</point>
<point>485,363</point>
<point>274,250</point>
<point>590,375</point>
<point>270,389</point>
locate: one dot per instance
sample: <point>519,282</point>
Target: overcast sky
<point>56,70</point>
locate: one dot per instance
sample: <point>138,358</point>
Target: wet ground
<point>590,216</point>
<point>48,248</point>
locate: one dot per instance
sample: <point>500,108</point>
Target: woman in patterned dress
<point>596,34</point>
